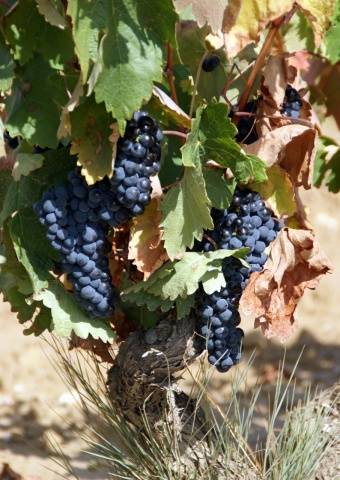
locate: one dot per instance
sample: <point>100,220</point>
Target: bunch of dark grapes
<point>138,158</point>
<point>246,223</point>
<point>246,130</point>
<point>72,214</point>
<point>11,142</point>
<point>78,216</point>
<point>292,103</point>
<point>210,63</point>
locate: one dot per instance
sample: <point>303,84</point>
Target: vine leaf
<point>279,192</point>
<point>293,147</point>
<point>170,109</point>
<point>22,194</point>
<point>179,280</point>
<point>219,190</point>
<point>7,66</point>
<point>217,134</point>
<point>186,212</point>
<point>65,129</point>
<point>327,165</point>
<point>52,10</point>
<point>67,316</point>
<point>204,12</point>
<point>192,149</point>
<point>92,133</point>
<point>34,111</point>
<point>295,263</point>
<point>32,248</point>
<point>25,163</point>
<point>243,21</point>
<point>88,19</point>
<point>146,247</point>
<point>23,29</point>
<point>333,36</point>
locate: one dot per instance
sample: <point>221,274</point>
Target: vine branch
<point>266,47</point>
<point>175,133</point>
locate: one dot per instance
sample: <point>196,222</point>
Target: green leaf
<point>90,124</point>
<point>220,190</point>
<point>22,30</point>
<point>191,150</point>
<point>7,66</point>
<point>28,190</point>
<point>25,163</point>
<point>186,212</point>
<point>34,108</point>
<point>129,69</point>
<point>5,181</point>
<point>53,12</point>
<point>41,322</point>
<point>19,305</point>
<point>181,279</point>
<point>184,306</point>
<point>327,165</point>
<point>192,47</point>
<point>67,316</point>
<point>32,248</point>
<point>88,19</point>
<point>13,274</point>
<point>56,46</point>
<point>332,39</point>
<point>217,134</point>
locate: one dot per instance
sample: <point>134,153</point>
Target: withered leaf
<point>293,147</point>
<point>146,247</point>
<point>295,263</point>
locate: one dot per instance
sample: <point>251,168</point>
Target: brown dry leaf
<point>295,263</point>
<point>146,247</point>
<point>275,78</point>
<point>293,147</point>
<point>98,347</point>
<point>204,12</point>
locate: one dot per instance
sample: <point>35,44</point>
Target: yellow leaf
<point>278,191</point>
<point>205,11</point>
<point>243,21</point>
<point>319,13</point>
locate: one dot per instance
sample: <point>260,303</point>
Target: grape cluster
<point>210,63</point>
<point>246,130</point>
<point>246,223</point>
<point>292,103</point>
<point>138,158</point>
<point>78,216</point>
<point>12,142</point>
<point>72,214</point>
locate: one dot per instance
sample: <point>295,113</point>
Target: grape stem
<point>175,133</point>
<point>266,47</point>
<point>169,72</point>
